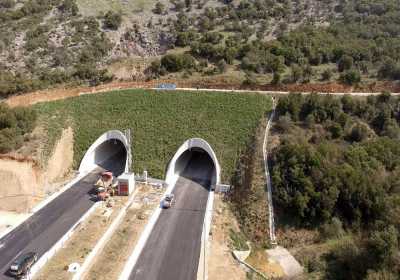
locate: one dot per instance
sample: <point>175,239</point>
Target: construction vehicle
<point>106,182</point>
<point>106,186</point>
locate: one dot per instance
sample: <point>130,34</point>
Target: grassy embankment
<point>160,122</point>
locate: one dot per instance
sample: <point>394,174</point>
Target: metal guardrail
<point>253,269</point>
<point>268,178</point>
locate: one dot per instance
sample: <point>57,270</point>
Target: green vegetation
<point>160,121</point>
<point>70,56</point>
<point>238,240</point>
<point>14,125</point>
<point>361,39</point>
<point>112,20</point>
<point>337,170</point>
<point>48,42</point>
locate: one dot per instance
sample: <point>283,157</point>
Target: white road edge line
<point>132,260</point>
<point>50,253</point>
<point>43,203</point>
<point>202,269</point>
<point>88,262</point>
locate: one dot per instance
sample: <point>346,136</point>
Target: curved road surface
<point>173,249</point>
<point>44,228</point>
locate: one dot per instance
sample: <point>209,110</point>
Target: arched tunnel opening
<point>111,155</point>
<point>196,165</point>
<point>106,153</point>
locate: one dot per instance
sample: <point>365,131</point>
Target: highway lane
<point>44,228</point>
<point>173,249</point>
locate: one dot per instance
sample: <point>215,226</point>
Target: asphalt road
<point>43,229</point>
<point>173,249</point>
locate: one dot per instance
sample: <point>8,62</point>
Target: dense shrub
<point>159,8</point>
<point>317,182</point>
<point>112,20</point>
<point>14,123</point>
<point>351,77</point>
<point>7,4</point>
<point>69,6</point>
<point>177,62</point>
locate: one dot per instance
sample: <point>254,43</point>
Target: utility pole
<point>129,148</point>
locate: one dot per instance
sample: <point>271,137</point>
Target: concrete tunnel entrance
<point>195,164</point>
<point>108,152</point>
<point>196,160</point>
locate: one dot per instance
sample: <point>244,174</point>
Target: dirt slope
<point>23,183</point>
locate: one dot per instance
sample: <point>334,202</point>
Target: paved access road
<point>44,228</point>
<point>173,249</point>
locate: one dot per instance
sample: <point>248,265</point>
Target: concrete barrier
<point>131,262</point>
<point>43,203</point>
<point>89,260</point>
<point>202,270</point>
<point>50,253</point>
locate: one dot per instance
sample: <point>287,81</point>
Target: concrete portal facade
<point>181,158</point>
<point>106,146</point>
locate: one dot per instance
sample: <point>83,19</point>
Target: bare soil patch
<point>62,159</point>
<point>218,82</point>
<point>221,264</point>
<point>110,262</point>
<point>259,260</point>
<point>25,181</point>
<point>81,243</point>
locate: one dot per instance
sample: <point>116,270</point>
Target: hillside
<point>160,122</point>
<point>335,177</point>
<point>48,42</point>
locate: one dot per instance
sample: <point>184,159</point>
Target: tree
<point>333,229</point>
<point>389,69</point>
<point>345,63</point>
<point>188,3</point>
<point>69,6</point>
<point>347,261</point>
<point>230,54</point>
<point>7,4</point>
<point>296,73</point>
<point>326,75</point>
<point>336,130</point>
<point>185,38</point>
<point>391,129</point>
<point>276,79</point>
<point>250,80</point>
<point>177,62</point>
<point>112,20</point>
<point>156,68</point>
<point>383,245</point>
<point>284,123</point>
<point>359,132</point>
<point>222,66</point>
<point>159,8</point>
<point>351,77</point>
<point>382,274</point>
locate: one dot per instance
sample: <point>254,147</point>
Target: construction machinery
<point>106,186</point>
